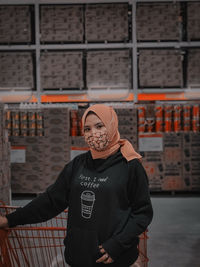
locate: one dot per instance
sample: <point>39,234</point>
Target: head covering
<point>109,118</point>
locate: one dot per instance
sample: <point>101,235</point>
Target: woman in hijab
<point>106,193</point>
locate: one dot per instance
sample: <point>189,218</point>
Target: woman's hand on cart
<point>3,222</point>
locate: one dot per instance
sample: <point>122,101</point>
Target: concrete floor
<point>174,234</point>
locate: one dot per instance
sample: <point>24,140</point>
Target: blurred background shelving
<point>99,50</point>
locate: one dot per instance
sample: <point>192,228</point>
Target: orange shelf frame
<point>130,97</point>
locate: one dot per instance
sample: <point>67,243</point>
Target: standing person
<point>106,192</point>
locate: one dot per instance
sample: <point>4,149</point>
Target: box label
<point>153,142</point>
<point>18,154</point>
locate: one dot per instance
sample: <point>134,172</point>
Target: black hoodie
<point>109,205</point>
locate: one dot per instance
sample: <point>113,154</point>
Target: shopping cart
<point>42,244</point>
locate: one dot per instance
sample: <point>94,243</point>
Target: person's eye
<point>86,130</point>
<point>99,126</point>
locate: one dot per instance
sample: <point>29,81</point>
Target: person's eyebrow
<point>99,123</point>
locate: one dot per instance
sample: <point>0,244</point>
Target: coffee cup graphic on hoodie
<point>87,203</point>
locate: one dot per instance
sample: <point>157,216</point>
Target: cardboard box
<point>15,24</point>
<point>193,68</point>
<point>61,70</point>
<point>173,179</point>
<point>108,69</point>
<point>155,174</point>
<point>158,21</point>
<point>17,70</point>
<point>106,22</point>
<point>193,20</point>
<point>61,23</point>
<point>173,183</point>
<point>195,182</point>
<point>160,68</point>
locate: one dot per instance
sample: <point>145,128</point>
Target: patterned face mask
<point>98,140</point>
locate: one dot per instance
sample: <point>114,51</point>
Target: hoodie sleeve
<point>140,215</point>
<point>48,204</point>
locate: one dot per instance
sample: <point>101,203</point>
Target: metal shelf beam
<point>161,90</point>
<point>58,2</point>
<point>134,54</point>
<point>37,41</point>
<point>63,92</point>
<point>17,47</point>
<point>86,46</point>
<point>32,2</point>
<point>91,46</point>
<point>167,1</point>
<point>196,91</point>
<point>168,44</point>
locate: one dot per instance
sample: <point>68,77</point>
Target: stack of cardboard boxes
<point>191,160</point>
<point>61,23</point>
<point>172,165</point>
<point>158,21</point>
<point>153,163</point>
<point>61,70</point>
<point>193,20</point>
<point>160,68</point>
<point>106,23</point>
<point>5,188</point>
<point>56,141</point>
<point>171,155</point>
<point>108,69</point>
<point>43,156</point>
<point>193,69</point>
<point>15,24</point>
<point>16,70</point>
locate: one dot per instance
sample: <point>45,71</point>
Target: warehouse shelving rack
<point>134,94</point>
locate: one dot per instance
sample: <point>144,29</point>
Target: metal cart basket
<point>42,244</point>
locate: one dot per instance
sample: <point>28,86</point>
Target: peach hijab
<point>109,118</point>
